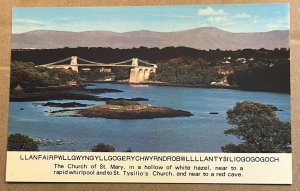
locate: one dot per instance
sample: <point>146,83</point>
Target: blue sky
<point>233,18</point>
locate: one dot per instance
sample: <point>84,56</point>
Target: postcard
<point>151,94</point>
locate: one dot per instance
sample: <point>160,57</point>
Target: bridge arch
<point>146,74</point>
<point>140,75</point>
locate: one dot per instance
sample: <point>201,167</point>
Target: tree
<point>20,142</point>
<point>28,76</point>
<point>101,147</point>
<point>258,126</point>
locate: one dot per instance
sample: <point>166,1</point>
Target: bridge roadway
<point>89,65</point>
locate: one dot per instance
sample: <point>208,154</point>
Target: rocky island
<point>124,109</point>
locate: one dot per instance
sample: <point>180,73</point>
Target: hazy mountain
<point>200,38</point>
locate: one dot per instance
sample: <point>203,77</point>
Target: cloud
<point>211,12</point>
<point>218,19</point>
<point>28,22</point>
<point>278,25</point>
<point>256,20</point>
<point>23,25</point>
<point>173,16</point>
<point>62,19</point>
<point>242,16</point>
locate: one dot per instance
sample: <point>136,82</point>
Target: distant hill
<point>200,38</point>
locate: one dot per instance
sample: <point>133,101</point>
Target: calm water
<point>199,133</point>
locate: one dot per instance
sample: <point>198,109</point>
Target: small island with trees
<point>116,109</point>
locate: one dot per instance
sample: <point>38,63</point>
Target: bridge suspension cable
<point>59,61</point>
<point>98,63</point>
<point>145,62</point>
<point>91,62</point>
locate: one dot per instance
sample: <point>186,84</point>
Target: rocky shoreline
<point>233,87</point>
<point>63,105</point>
<point>64,92</point>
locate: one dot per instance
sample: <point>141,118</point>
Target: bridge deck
<point>93,65</point>
<point>88,65</point>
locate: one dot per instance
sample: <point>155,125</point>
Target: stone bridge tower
<point>73,64</point>
<point>140,74</point>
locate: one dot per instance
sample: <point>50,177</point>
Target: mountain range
<point>200,38</point>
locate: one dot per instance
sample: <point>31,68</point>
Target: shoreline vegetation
<point>22,142</point>
<point>232,87</point>
<point>259,129</point>
<point>63,92</point>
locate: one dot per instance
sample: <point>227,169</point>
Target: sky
<point>233,18</point>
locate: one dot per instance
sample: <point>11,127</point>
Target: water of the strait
<point>201,132</point>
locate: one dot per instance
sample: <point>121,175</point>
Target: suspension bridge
<point>138,73</point>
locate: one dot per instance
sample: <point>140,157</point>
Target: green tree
<point>101,147</point>
<point>20,142</point>
<point>258,126</point>
<point>27,75</point>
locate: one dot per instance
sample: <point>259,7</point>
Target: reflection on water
<point>200,133</point>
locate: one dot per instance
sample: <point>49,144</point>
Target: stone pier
<point>140,74</point>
